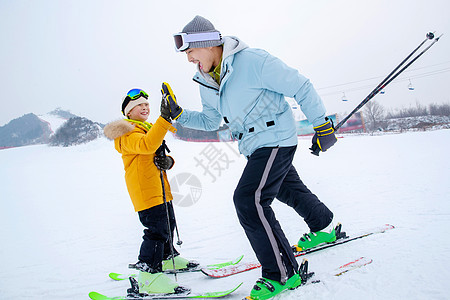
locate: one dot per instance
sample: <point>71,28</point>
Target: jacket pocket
<point>259,133</point>
<point>149,173</point>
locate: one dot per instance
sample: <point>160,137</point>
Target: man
<point>246,87</point>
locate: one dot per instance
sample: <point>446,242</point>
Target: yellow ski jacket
<point>138,145</point>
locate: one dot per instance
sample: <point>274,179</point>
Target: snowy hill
<point>66,220</point>
<point>54,121</point>
<point>26,130</point>
<point>56,128</point>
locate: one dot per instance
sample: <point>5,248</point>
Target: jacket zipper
<point>205,85</point>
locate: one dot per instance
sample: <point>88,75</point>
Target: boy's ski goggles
<point>182,39</point>
<point>133,94</point>
<point>136,93</point>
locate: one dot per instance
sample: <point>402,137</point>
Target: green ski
<point>119,276</point>
<point>98,296</point>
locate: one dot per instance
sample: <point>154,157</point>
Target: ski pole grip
<point>315,149</point>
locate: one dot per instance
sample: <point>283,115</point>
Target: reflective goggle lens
<point>178,41</point>
<point>182,39</point>
<point>136,93</point>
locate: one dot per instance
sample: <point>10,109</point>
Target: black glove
<point>165,110</point>
<point>167,94</point>
<point>164,163</point>
<point>324,137</point>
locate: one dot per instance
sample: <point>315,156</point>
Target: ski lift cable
<point>429,73</point>
<point>378,77</point>
<point>422,75</point>
<point>429,66</point>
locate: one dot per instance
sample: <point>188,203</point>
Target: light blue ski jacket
<point>250,99</point>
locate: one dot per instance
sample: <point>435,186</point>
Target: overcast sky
<point>84,55</point>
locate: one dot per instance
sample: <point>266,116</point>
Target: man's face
<point>204,57</point>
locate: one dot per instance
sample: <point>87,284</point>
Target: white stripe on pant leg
<point>262,217</point>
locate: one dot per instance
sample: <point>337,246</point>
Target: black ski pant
<point>157,245</point>
<point>269,173</point>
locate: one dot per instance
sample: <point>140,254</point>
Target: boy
<point>142,149</point>
<point>245,87</point>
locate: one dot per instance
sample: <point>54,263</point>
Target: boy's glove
<point>165,110</point>
<point>167,94</point>
<point>324,137</point>
<point>164,163</point>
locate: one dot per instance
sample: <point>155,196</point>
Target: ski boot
<point>154,283</point>
<point>133,292</point>
<point>142,266</point>
<point>312,239</point>
<point>267,288</point>
<point>181,264</point>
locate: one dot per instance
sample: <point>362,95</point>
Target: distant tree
<point>419,110</point>
<point>62,113</point>
<point>186,133</point>
<point>412,111</point>
<point>439,109</point>
<point>374,115</point>
<point>75,131</point>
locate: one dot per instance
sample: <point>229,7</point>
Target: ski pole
<point>163,154</point>
<point>315,149</point>
<point>168,222</point>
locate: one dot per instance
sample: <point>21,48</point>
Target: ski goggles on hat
<point>136,93</point>
<point>133,95</point>
<point>183,39</point>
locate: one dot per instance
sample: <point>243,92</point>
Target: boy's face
<point>139,112</point>
<point>204,57</point>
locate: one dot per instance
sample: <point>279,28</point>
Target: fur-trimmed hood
<point>117,129</point>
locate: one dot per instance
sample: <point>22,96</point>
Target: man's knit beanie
<point>200,24</point>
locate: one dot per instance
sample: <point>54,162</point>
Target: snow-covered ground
<point>66,220</point>
<point>53,121</point>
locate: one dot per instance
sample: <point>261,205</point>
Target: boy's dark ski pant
<point>156,244</point>
<point>269,174</point>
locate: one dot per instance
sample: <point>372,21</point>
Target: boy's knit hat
<point>200,24</point>
<point>128,105</point>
